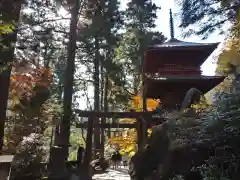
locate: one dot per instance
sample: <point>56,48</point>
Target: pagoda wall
<point>188,62</point>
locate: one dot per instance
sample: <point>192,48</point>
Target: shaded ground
<point>118,174</point>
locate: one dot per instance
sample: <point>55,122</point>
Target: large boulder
<point>165,155</point>
<point>146,160</point>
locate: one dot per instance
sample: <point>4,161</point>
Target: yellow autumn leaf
<point>230,52</point>
<point>6,28</point>
<point>127,142</point>
<point>131,154</point>
<point>149,131</point>
<point>137,103</point>
<point>122,151</point>
<point>129,148</point>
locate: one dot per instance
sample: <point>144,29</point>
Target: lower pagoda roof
<point>178,86</point>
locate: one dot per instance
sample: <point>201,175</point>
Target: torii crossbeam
<point>136,115</point>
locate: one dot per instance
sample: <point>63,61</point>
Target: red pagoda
<point>174,67</point>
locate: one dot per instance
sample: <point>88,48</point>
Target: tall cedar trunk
<point>102,108</point>
<point>96,94</point>
<point>10,11</point>
<point>86,169</point>
<point>102,89</point>
<point>105,101</point>
<point>62,137</point>
<point>106,94</point>
<point>144,100</point>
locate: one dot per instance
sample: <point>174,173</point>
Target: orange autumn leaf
<point>22,84</point>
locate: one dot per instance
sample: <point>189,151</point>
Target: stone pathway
<point>118,174</point>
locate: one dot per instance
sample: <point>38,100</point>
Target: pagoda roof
<point>159,87</point>
<point>174,43</point>
<point>176,52</point>
<point>179,53</point>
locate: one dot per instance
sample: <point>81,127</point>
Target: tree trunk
<point>105,101</point>
<point>86,170</point>
<point>102,88</point>
<point>62,137</point>
<point>143,123</point>
<point>69,77</point>
<point>103,120</point>
<point>96,94</point>
<point>10,11</point>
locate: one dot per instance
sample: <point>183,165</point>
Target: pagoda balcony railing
<point>158,76</point>
<point>171,70</point>
<point>179,68</point>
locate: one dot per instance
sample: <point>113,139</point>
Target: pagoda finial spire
<point>171,24</point>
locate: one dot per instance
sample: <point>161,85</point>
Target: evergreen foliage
<point>140,19</point>
<point>210,15</point>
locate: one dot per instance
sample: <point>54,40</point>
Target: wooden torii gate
<point>144,120</point>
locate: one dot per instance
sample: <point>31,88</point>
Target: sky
<point>162,22</point>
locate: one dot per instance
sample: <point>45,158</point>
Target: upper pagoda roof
<point>177,52</point>
<point>174,51</point>
<point>177,44</point>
